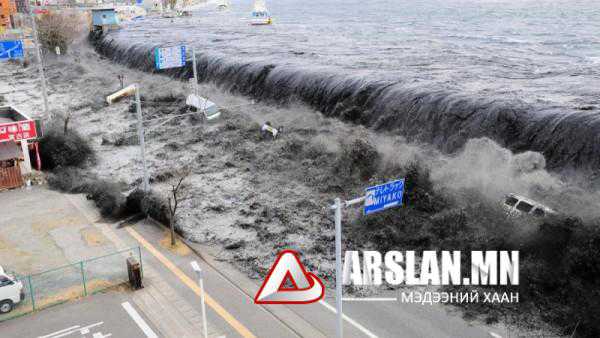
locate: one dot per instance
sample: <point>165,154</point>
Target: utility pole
<point>337,207</point>
<point>40,64</point>
<point>339,327</point>
<point>138,105</point>
<point>127,91</point>
<point>200,275</point>
<point>195,71</point>
<point>393,191</point>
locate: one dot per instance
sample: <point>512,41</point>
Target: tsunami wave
<point>567,139</point>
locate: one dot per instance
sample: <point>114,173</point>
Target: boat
<point>260,14</point>
<point>155,6</point>
<point>223,5</point>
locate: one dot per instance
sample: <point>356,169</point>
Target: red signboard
<point>21,130</point>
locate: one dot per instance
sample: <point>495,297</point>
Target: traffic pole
<point>338,267</point>
<point>198,270</point>
<point>40,65</point>
<point>138,105</point>
<point>337,207</point>
<point>204,322</point>
<point>195,72</point>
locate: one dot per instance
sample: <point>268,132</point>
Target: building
<point>18,133</point>
<point>104,19</point>
<point>7,10</point>
<point>10,169</point>
<point>22,6</point>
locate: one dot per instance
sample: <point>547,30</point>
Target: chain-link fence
<point>55,286</point>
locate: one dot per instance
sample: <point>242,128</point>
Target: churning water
<point>524,73</point>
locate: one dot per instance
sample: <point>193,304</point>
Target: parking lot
<point>110,314</point>
<point>40,229</point>
<point>54,249</point>
<point>72,265</point>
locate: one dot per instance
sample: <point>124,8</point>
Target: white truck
<point>11,292</point>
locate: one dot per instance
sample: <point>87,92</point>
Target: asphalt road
<point>99,316</point>
<point>231,310</point>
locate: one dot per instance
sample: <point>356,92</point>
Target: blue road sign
<point>383,196</point>
<point>169,57</point>
<point>11,49</point>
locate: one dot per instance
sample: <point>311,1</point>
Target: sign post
<point>195,72</point>
<point>169,57</point>
<point>138,107</point>
<point>376,198</point>
<point>384,196</point>
<point>11,49</point>
<point>208,108</point>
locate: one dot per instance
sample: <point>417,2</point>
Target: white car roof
<point>532,202</point>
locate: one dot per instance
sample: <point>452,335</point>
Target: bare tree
<point>66,119</point>
<point>59,29</point>
<point>177,194</point>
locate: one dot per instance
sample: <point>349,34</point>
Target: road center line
<point>139,320</point>
<point>220,310</point>
<point>349,320</point>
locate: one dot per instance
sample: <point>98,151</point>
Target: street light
<point>199,273</point>
<point>40,64</point>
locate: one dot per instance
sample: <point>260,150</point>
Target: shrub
<point>59,29</point>
<point>106,195</point>
<point>64,150</point>
<point>419,190</point>
<point>67,180</point>
<point>357,159</point>
<point>149,204</point>
<point>559,256</point>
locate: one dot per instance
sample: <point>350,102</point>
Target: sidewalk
<point>171,298</point>
<point>171,313</point>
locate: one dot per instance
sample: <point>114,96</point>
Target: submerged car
<point>516,205</point>
<point>11,292</point>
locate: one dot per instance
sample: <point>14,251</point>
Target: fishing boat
<point>260,14</point>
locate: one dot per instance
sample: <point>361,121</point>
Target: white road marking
<point>372,299</point>
<point>495,335</point>
<point>72,329</point>
<point>350,320</point>
<point>59,332</point>
<point>139,320</point>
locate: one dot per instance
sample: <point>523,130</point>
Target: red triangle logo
<point>288,278</point>
<point>306,286</point>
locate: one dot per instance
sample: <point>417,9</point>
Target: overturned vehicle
<point>517,205</point>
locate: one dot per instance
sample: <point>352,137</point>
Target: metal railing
<point>72,281</point>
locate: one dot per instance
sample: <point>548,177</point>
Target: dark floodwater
<point>523,73</point>
<point>542,52</point>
